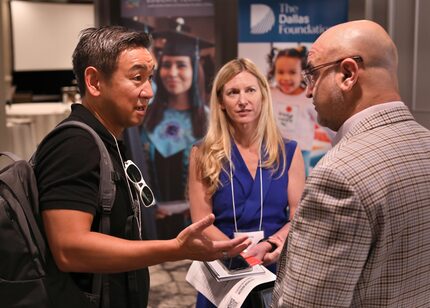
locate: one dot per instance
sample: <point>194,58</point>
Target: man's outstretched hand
<point>194,245</point>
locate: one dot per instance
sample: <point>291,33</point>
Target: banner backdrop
<point>276,35</point>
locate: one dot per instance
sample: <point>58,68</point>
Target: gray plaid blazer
<point>361,234</point>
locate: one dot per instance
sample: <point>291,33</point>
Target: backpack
<point>28,274</point>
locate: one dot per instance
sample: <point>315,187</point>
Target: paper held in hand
<point>228,292</point>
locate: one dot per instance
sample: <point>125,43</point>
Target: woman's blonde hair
<point>215,149</point>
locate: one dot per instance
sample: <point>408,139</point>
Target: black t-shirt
<point>67,172</point>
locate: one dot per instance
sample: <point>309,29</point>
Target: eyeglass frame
<point>307,73</point>
<point>140,185</point>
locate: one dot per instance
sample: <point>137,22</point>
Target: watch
<point>267,239</point>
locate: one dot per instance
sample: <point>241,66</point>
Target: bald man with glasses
<point>361,234</point>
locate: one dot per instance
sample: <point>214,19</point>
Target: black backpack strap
<point>107,186</point>
<point>107,190</point>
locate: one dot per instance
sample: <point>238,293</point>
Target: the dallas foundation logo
<point>262,19</point>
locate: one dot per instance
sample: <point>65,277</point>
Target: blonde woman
<point>243,171</point>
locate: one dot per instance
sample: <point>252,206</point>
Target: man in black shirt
<point>113,67</point>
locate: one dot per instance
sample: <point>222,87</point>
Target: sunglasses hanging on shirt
<point>135,177</point>
<point>145,195</point>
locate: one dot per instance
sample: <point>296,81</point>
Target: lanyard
<point>135,203</point>
<point>261,196</point>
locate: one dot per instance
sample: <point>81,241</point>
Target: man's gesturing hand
<point>194,245</point>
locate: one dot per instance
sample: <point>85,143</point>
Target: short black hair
<point>101,47</point>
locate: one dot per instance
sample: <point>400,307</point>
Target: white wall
<point>45,34</point>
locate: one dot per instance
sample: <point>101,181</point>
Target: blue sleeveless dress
<point>247,201</point>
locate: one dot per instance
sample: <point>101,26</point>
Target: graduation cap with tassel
<point>176,42</point>
<point>180,43</point>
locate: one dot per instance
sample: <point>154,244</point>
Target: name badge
<point>254,236</point>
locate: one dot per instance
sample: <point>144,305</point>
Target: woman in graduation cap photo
<point>175,120</point>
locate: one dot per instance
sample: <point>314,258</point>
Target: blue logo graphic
<point>288,20</point>
<point>262,19</point>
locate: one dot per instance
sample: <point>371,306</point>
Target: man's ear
<point>92,80</point>
<point>349,74</point>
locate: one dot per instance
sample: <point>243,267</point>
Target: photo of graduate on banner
<point>175,120</point>
<point>177,114</point>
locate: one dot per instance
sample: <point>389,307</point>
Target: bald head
<point>363,37</point>
<point>368,40</point>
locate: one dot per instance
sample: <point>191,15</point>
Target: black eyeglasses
<point>135,176</point>
<point>308,73</point>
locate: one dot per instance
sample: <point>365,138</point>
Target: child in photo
<point>294,112</point>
